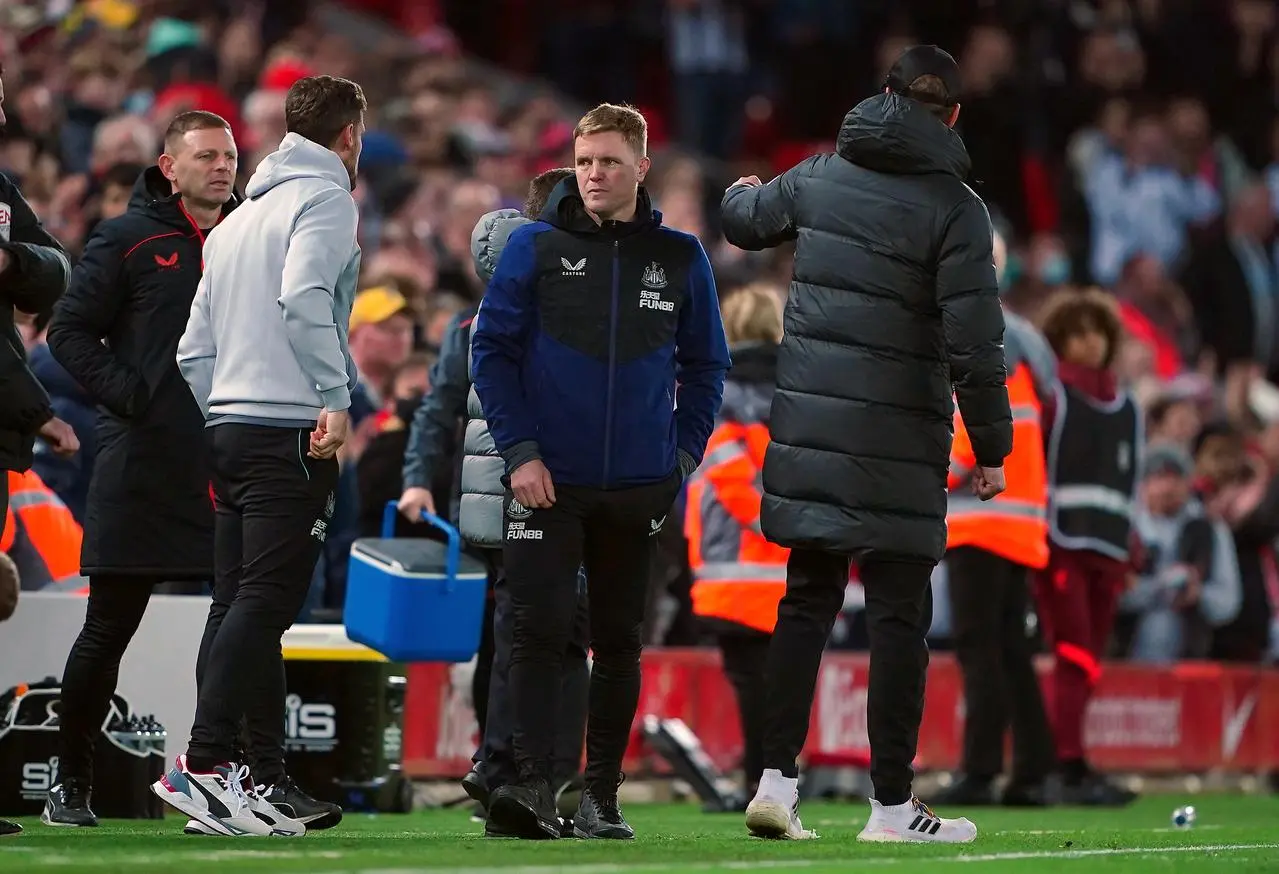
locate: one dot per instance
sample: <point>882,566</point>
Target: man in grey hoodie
<point>265,353</point>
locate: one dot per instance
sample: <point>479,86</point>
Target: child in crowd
<point>1095,435</point>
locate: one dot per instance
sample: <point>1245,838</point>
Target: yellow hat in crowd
<point>375,305</point>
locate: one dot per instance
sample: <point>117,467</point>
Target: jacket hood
<point>153,195</point>
<point>297,158</point>
<point>489,237</point>
<point>55,378</point>
<point>750,383</point>
<point>565,209</point>
<point>888,133</point>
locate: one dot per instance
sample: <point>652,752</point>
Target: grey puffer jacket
<point>480,511</point>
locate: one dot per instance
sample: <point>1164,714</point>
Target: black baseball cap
<point>924,60</point>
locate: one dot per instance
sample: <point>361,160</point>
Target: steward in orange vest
<point>40,534</point>
<point>1013,524</point>
<point>738,576</point>
<point>991,548</point>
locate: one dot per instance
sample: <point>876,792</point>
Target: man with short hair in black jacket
<point>893,307</point>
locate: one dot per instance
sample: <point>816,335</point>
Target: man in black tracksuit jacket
<point>149,515</point>
<point>893,307</point>
<point>593,317</point>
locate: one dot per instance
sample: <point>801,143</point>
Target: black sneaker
<point>524,810</point>
<point>968,792</point>
<point>1094,790</point>
<point>67,806</point>
<point>598,816</point>
<point>291,801</point>
<point>9,828</point>
<point>1020,793</point>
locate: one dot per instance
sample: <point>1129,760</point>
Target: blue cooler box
<point>415,600</point>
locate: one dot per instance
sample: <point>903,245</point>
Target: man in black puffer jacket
<point>893,307</point>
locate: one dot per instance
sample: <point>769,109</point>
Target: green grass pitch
<point>1234,834</point>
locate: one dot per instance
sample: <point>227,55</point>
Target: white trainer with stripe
<point>913,822</point>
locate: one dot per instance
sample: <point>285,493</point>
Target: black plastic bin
<point>128,758</point>
<point>344,721</point>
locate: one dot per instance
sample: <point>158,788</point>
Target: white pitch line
<point>812,863</point>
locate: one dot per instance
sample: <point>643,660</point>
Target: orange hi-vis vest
<point>1014,524</point>
<point>49,525</point>
<point>738,576</point>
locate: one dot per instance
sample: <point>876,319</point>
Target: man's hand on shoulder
<point>532,485</point>
<point>748,181</point>
<point>988,482</point>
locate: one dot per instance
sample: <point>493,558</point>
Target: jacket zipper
<point>612,364</point>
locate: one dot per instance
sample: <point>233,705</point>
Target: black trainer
<point>291,801</point>
<point>9,828</point>
<point>1095,790</point>
<point>1031,793</point>
<point>67,806</point>
<point>599,816</point>
<point>968,791</point>
<point>523,810</point>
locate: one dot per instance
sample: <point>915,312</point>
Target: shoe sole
<point>519,821</point>
<point>766,819</point>
<point>183,804</point>
<point>624,836</point>
<point>322,821</point>
<point>44,818</point>
<point>892,837</point>
<point>195,827</point>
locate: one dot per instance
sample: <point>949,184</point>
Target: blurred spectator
<point>382,458</point>
<point>1189,581</point>
<point>1243,492</point>
<point>1156,314</point>
<point>709,60</point>
<point>381,339</point>
<point>1200,154</point>
<point>1173,419</point>
<point>1233,285</point>
<point>1140,203</point>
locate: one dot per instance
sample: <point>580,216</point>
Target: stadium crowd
<point>1132,146</point>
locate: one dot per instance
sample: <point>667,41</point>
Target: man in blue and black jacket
<point>594,317</point>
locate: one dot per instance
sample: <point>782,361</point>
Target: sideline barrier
<point>1192,717</point>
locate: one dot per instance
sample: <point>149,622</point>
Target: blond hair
<point>752,314</point>
<point>626,120</point>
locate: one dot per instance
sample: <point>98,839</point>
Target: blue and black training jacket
<point>584,334</point>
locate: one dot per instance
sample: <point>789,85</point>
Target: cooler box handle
<point>455,539</point>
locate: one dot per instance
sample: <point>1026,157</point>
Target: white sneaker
<point>217,800</point>
<point>913,821</point>
<point>282,826</point>
<point>774,811</point>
